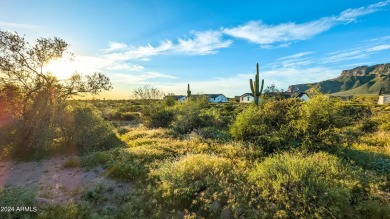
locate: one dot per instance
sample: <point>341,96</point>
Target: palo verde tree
<point>22,67</point>
<point>147,92</point>
<point>35,91</point>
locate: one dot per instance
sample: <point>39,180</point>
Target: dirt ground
<point>56,184</point>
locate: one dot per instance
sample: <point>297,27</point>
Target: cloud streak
<point>8,26</point>
<point>266,35</point>
<point>199,43</point>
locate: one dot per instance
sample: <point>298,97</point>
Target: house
<point>246,98</point>
<point>303,96</point>
<point>217,98</point>
<point>384,96</point>
<point>180,98</point>
<point>213,98</point>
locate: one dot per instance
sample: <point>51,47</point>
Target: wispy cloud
<point>115,46</point>
<point>352,14</point>
<point>137,78</point>
<point>378,48</point>
<point>266,35</point>
<point>199,43</point>
<point>10,26</point>
<point>295,56</point>
<point>260,33</point>
<point>344,55</point>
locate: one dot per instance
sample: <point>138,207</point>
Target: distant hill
<point>359,80</point>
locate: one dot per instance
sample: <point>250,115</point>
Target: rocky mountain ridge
<point>359,80</point>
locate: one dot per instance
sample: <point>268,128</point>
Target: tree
<point>271,89</point>
<point>22,67</point>
<point>147,92</point>
<point>37,94</point>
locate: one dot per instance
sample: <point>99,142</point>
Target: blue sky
<point>213,45</point>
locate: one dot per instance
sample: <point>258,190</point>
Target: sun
<point>60,68</point>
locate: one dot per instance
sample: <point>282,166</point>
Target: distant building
<point>384,96</point>
<point>246,98</point>
<point>217,98</point>
<point>180,98</point>
<point>249,98</point>
<point>303,96</point>
<point>213,98</point>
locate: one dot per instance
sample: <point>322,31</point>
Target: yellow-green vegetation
<point>72,163</point>
<point>284,159</point>
<point>13,197</point>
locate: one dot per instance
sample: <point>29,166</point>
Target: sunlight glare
<point>60,68</point>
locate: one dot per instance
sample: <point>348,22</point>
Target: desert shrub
<point>17,197</point>
<point>122,130</point>
<point>267,127</point>
<point>383,121</point>
<point>213,133</point>
<point>353,112</point>
<point>95,158</point>
<point>196,114</point>
<point>372,209</point>
<point>199,183</point>
<point>112,114</point>
<point>131,163</point>
<point>158,116</point>
<point>169,101</point>
<point>304,186</point>
<point>73,162</point>
<point>369,125</point>
<point>130,116</point>
<point>71,210</point>
<point>63,128</point>
<point>316,123</point>
<point>95,194</point>
<point>86,130</point>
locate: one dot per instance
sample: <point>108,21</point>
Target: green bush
<point>196,114</point>
<point>71,210</point>
<point>213,133</point>
<point>316,122</point>
<point>369,125</point>
<point>86,130</point>
<point>17,197</point>
<point>158,116</point>
<point>267,127</point>
<point>304,186</point>
<point>199,183</point>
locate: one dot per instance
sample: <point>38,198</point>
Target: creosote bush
<point>199,183</point>
<point>86,130</point>
<point>267,126</point>
<point>158,116</point>
<point>311,186</point>
<point>197,114</point>
<point>287,124</point>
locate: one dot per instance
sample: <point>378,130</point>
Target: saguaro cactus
<point>255,86</point>
<point>188,92</point>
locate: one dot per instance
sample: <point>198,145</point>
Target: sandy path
<point>56,184</point>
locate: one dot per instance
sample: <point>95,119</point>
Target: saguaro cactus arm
<point>188,91</point>
<point>255,85</point>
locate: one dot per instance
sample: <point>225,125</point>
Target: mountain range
<point>359,80</point>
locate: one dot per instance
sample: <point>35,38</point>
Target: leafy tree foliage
<point>147,92</point>
<point>34,95</point>
<point>22,66</point>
